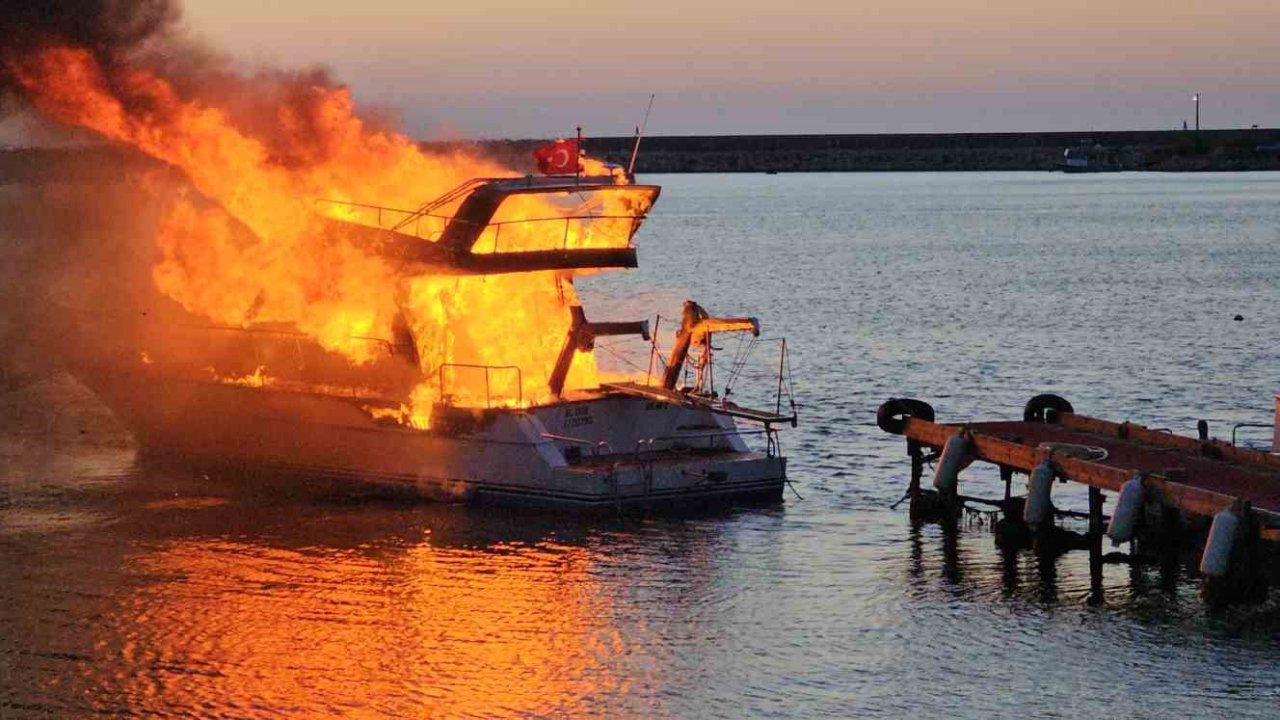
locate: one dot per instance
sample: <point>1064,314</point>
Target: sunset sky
<point>495,68</point>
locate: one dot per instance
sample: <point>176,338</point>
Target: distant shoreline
<point>1138,150</point>
<point>1144,150</point>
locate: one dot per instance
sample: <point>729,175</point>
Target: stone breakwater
<point>1152,150</point>
<point>1155,150</point>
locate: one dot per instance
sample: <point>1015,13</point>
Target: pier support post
<point>917,469</point>
<point>1011,532</point>
<point>1160,540</point>
<point>1160,534</point>
<point>928,505</point>
<point>1095,546</point>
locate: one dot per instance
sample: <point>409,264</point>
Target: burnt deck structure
<point>1182,482</point>
<point>468,239</point>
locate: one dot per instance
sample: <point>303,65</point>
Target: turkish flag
<point>558,158</point>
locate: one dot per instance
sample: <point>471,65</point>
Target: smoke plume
<point>110,29</point>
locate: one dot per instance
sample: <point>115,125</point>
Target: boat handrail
<point>549,218</point>
<point>568,221</point>
<point>401,226</point>
<point>445,199</point>
<point>434,233</point>
<point>649,442</point>
<point>595,445</point>
<point>189,327</point>
<point>462,190</point>
<point>488,397</point>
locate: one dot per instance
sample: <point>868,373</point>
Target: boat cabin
<point>506,225</point>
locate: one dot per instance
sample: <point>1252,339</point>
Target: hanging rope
<point>621,357</point>
<point>745,347</point>
<point>791,399</point>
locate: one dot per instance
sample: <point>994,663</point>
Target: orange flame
<point>267,255</point>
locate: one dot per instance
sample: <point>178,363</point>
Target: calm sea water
<point>160,593</point>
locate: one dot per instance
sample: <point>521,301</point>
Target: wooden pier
<point>1183,483</point>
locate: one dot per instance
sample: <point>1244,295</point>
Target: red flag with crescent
<point>558,158</point>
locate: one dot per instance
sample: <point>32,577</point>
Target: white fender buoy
<point>1038,504</point>
<point>1124,521</point>
<point>1217,548</point>
<point>947,477</point>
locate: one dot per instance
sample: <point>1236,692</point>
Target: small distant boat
<point>1087,157</point>
<point>1074,161</point>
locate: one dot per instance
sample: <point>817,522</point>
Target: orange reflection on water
<point>410,631</point>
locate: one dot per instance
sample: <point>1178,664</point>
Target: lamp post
<point>1196,97</point>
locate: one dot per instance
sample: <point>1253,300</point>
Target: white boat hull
<point>600,450</point>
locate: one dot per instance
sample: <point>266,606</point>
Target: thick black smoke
<point>110,29</point>
<point>145,34</point>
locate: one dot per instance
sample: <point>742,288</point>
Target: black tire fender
<point>1037,408</point>
<point>892,415</point>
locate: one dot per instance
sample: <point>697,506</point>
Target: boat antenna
<point>577,160</point>
<point>635,149</point>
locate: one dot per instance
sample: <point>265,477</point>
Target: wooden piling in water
<point>1095,546</point>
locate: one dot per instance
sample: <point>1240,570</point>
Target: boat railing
<point>488,384</point>
<point>428,208</point>
<point>407,222</point>
<point>596,445</point>
<point>588,221</point>
<point>411,222</point>
<point>647,444</point>
<point>525,184</point>
<point>296,337</point>
<point>405,219</point>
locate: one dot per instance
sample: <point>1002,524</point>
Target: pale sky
<point>496,68</point>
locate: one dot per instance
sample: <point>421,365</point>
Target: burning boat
<point>424,410</point>
<point>437,347</point>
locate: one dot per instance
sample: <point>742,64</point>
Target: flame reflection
<point>509,629</point>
